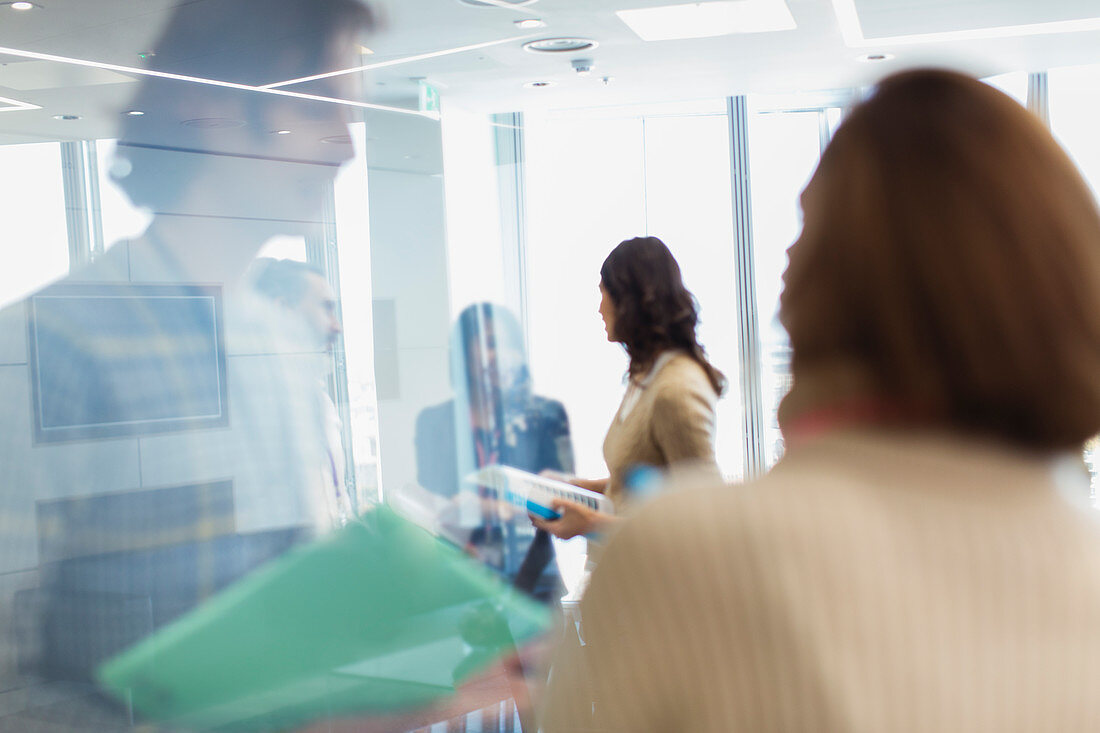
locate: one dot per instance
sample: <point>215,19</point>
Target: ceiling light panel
<point>394,62</point>
<point>9,105</point>
<point>878,22</point>
<point>885,18</point>
<point>703,20</point>
<point>84,63</point>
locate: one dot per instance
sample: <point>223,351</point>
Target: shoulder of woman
<point>683,379</point>
<point>681,367</point>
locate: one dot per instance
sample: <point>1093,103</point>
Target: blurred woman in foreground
<point>922,558</point>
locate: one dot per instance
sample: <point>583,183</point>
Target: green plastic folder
<point>377,617</point>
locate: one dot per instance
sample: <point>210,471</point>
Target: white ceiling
<point>821,53</point>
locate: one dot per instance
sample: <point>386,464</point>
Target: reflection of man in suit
<point>494,418</point>
<point>309,306</point>
<point>112,537</point>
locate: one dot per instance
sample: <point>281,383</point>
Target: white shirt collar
<point>658,364</point>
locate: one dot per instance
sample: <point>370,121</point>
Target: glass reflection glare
<point>494,418</point>
<point>179,547</point>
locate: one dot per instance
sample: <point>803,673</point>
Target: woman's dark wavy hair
<point>654,312</point>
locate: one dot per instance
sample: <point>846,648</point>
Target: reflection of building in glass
<point>779,366</point>
<point>364,416</point>
<point>1092,463</point>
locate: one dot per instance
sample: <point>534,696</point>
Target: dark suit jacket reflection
<point>536,439</point>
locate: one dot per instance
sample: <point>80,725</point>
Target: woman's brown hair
<point>951,250</point>
<point>654,312</point>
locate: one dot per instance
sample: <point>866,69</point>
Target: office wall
<point>409,278</point>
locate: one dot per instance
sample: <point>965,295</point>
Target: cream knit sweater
<point>872,582</point>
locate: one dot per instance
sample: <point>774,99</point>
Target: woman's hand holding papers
<point>575,519</point>
<point>599,485</point>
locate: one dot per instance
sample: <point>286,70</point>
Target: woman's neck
<point>640,369</point>
<point>840,394</point>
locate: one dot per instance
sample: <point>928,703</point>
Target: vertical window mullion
<point>91,184</point>
<point>73,177</point>
<point>1038,99</point>
<point>752,402</point>
<point>508,142</point>
<point>321,252</point>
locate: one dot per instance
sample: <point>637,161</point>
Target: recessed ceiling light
<point>134,112</point>
<point>66,117</point>
<point>213,123</point>
<point>560,45</point>
<point>528,23</point>
<point>282,132</point>
<point>21,6</point>
<point>703,20</point>
<point>871,58</point>
<point>539,84</point>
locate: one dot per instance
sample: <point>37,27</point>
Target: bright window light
<point>701,20</point>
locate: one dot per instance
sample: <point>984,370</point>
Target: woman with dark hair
<point>667,414</point>
<point>923,558</point>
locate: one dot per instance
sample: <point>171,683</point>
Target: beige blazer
<point>871,582</point>
<point>666,418</point>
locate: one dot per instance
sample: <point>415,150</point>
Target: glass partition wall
<point>456,258</point>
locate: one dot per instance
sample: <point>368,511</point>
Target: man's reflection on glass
<point>307,305</point>
<point>494,419</point>
<point>161,437</point>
